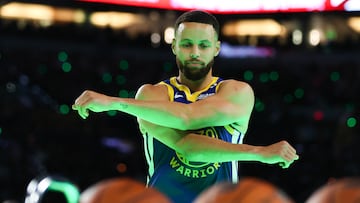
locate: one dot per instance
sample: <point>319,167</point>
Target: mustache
<point>194,61</point>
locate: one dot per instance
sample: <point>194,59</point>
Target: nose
<point>195,52</point>
<point>194,56</point>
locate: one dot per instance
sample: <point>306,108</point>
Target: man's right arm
<point>232,103</point>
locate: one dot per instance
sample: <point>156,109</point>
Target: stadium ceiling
<point>286,22</point>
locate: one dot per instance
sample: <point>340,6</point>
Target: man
<point>193,124</point>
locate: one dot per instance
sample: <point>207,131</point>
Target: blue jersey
<point>170,173</point>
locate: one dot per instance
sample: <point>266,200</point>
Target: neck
<point>195,85</point>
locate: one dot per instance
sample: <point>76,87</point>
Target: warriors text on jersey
<point>173,175</point>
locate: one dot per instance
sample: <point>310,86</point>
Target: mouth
<point>195,63</point>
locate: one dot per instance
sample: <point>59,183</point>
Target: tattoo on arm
<point>124,106</point>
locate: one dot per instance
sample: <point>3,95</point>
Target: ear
<point>173,46</point>
<point>218,45</point>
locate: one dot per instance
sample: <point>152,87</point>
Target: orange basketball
<point>121,190</point>
<point>247,190</point>
<point>345,190</point>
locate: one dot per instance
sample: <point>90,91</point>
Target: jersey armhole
<point>170,90</point>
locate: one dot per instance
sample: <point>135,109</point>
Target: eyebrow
<point>201,41</point>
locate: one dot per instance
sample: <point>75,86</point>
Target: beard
<point>197,73</point>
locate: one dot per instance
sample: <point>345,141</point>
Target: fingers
<point>289,160</point>
<point>82,100</point>
<point>81,105</point>
<point>292,149</point>
<point>289,155</point>
<point>82,111</point>
<point>285,165</point>
<point>287,146</point>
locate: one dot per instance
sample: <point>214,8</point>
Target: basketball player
<point>193,124</point>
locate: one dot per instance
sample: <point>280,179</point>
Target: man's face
<point>195,46</point>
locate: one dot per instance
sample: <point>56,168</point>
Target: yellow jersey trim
<point>191,96</point>
<point>170,90</point>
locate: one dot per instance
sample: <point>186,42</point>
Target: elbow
<point>187,119</point>
<point>189,153</point>
<point>185,122</point>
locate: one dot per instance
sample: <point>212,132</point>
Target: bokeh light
<point>274,76</point>
<point>259,105</point>
<point>248,75</point>
<point>66,67</point>
<point>351,122</point>
<point>299,93</point>
<point>124,65</point>
<point>64,109</point>
<point>318,115</point>
<point>335,76</point>
<point>120,79</point>
<point>62,56</point>
<point>107,78</point>
<point>123,94</point>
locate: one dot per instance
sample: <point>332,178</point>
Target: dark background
<point>304,95</point>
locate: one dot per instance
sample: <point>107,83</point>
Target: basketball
<point>121,190</point>
<point>345,190</point>
<point>247,190</point>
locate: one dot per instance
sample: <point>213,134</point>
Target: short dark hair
<point>198,16</point>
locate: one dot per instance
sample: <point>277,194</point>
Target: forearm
<point>231,105</point>
<point>207,149</point>
<point>154,108</point>
<point>201,148</point>
<point>163,113</point>
<point>167,136</point>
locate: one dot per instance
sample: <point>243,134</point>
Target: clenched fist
<point>93,101</point>
<point>281,152</point>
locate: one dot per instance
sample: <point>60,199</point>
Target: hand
<point>281,152</point>
<point>93,101</point>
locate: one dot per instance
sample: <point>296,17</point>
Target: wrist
<point>116,103</point>
<point>250,152</point>
<point>257,152</point>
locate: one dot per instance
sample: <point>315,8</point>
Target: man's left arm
<point>195,147</point>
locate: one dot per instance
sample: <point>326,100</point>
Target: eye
<point>204,46</point>
<point>186,45</point>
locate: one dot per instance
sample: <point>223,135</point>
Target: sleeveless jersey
<point>169,172</point>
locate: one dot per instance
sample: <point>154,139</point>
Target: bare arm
<point>201,148</point>
<point>232,104</point>
<point>206,149</point>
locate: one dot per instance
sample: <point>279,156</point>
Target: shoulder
<point>236,87</point>
<point>150,91</point>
